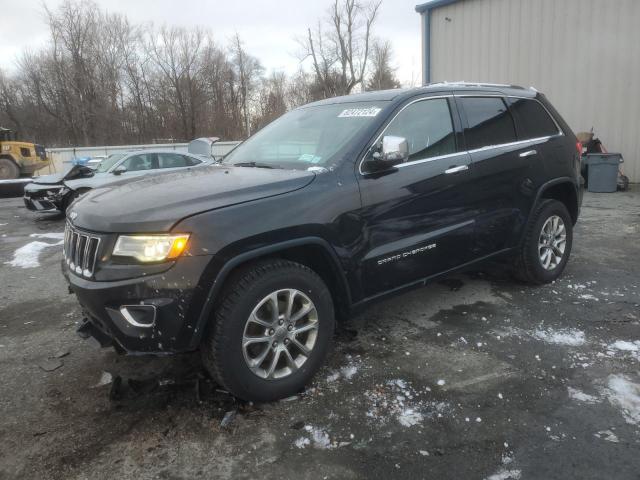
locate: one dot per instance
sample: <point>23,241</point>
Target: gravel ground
<point>474,376</point>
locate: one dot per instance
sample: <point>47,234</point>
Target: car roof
<point>154,150</point>
<point>400,94</point>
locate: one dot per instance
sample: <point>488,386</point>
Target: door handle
<point>460,168</point>
<point>528,153</point>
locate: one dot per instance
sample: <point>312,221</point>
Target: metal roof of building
<point>430,5</point>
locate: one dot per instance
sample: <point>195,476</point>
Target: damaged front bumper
<point>154,314</point>
<point>44,198</point>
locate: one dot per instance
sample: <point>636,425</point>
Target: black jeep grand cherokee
<point>333,205</point>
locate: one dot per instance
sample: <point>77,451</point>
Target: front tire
<point>271,331</point>
<point>546,246</point>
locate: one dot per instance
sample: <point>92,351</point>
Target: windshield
<point>305,137</point>
<point>109,162</point>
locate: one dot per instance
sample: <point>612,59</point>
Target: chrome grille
<point>80,251</point>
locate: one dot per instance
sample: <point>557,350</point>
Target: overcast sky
<point>268,27</point>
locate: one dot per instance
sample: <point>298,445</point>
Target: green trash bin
<point>603,171</point>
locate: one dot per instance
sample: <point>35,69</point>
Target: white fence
<point>62,156</point>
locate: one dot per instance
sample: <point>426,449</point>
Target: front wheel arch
<point>223,348</point>
<point>292,250</point>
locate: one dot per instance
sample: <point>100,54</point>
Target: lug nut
<point>286,341</point>
<point>275,344</point>
<point>290,327</point>
<point>280,322</point>
<point>271,331</point>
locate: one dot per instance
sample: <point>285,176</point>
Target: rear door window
<point>143,161</point>
<point>532,118</point>
<point>175,160</point>
<point>428,128</point>
<point>488,122</point>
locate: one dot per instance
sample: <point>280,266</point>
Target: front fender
<point>219,269</point>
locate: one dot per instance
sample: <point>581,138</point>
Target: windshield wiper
<point>253,164</point>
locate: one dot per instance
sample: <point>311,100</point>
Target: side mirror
<point>395,150</point>
<point>119,170</point>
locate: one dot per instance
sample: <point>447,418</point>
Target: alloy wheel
<point>552,242</point>
<point>280,334</point>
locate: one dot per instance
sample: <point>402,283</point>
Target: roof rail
<point>473,84</point>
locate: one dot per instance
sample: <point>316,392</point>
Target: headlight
<point>56,191</point>
<point>150,248</point>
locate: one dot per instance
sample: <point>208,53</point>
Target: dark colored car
<point>332,206</point>
<point>57,191</point>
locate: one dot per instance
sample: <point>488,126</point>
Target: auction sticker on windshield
<point>360,112</point>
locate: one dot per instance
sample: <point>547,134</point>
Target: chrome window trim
<point>430,159</point>
<point>422,99</point>
<point>512,144</point>
<point>467,152</point>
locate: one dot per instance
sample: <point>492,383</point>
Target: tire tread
<point>523,263</point>
<point>232,295</point>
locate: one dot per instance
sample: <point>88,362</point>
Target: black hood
<point>156,203</point>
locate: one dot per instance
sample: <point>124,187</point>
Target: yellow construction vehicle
<point>19,158</point>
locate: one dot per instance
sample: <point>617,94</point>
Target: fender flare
<point>578,191</point>
<point>247,256</point>
<point>540,191</point>
<point>551,183</point>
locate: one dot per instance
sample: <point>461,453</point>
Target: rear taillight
<point>579,147</point>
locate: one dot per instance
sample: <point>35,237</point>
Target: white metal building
<point>583,54</point>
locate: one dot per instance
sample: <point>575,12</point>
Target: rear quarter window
<point>532,119</point>
<point>488,122</point>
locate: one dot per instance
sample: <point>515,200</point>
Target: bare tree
<point>272,100</point>
<point>103,80</point>
<point>176,52</point>
<point>248,70</point>
<point>382,73</point>
<point>339,48</point>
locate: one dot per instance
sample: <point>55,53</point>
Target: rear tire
<point>546,246</point>
<point>256,321</point>
<point>8,169</point>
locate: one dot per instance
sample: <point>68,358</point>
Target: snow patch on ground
<point>506,472</point>
<point>51,235</point>
<point>588,296</point>
<point>625,395</point>
<point>319,438</point>
<point>581,396</point>
<point>347,372</point>
<point>409,417</point>
<point>28,255</point>
<point>625,346</point>
<point>397,399</point>
<point>631,348</point>
<point>607,435</point>
<point>302,442</point>
<point>570,336</point>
